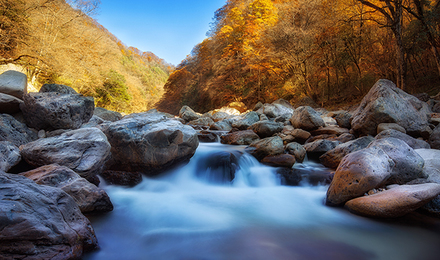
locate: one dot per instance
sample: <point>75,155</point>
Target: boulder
<point>107,115</point>
<point>303,174</point>
<point>358,173</point>
<point>266,128</point>
<point>281,160</point>
<point>408,165</point>
<point>9,156</point>
<point>240,138</point>
<point>395,202</point>
<point>93,122</point>
<point>306,118</point>
<point>218,167</point>
<point>219,116</point>
<point>14,131</point>
<point>333,158</point>
<point>9,104</point>
<point>317,148</point>
<point>187,114</point>
<point>13,83</point>
<point>434,139</point>
<point>41,222</point>
<point>411,141</point>
<point>298,135</point>
<point>276,109</point>
<point>52,110</point>
<point>436,108</point>
<point>88,197</point>
<point>202,121</point>
<point>149,143</point>
<point>245,121</point>
<point>330,130</point>
<point>265,147</point>
<point>58,88</point>
<point>345,138</point>
<point>385,103</point>
<point>223,125</point>
<point>296,150</point>
<point>432,163</point>
<point>432,207</point>
<point>387,126</point>
<point>84,150</point>
<point>343,119</point>
<point>122,178</point>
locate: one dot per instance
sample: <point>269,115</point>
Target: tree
<point>13,29</point>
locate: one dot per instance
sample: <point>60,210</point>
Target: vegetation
<point>57,41</point>
<point>331,51</point>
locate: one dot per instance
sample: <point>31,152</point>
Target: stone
<point>14,131</point>
<point>303,174</point>
<point>276,109</point>
<point>84,150</point>
<point>240,106</point>
<point>386,126</point>
<point>51,110</point>
<point>9,156</point>
<point>306,118</point>
<point>385,103</point>
<point>187,114</point>
<point>266,128</point>
<point>343,119</point>
<point>281,160</point>
<point>411,141</point>
<point>345,138</point>
<point>41,222</point>
<point>436,108</point>
<point>358,173</point>
<point>296,150</point>
<point>202,121</point>
<point>246,120</point>
<point>408,165</point>
<point>432,207</point>
<point>122,178</point>
<point>395,202</point>
<point>58,88</point>
<point>93,122</point>
<point>330,130</point>
<point>299,135</point>
<point>218,167</point>
<point>13,83</point>
<point>88,197</point>
<point>240,138</point>
<point>107,115</point>
<point>432,163</point>
<point>149,143</point>
<point>317,148</point>
<point>219,116</point>
<point>333,158</point>
<point>434,139</point>
<point>265,147</point>
<point>9,104</point>
<point>223,125</point>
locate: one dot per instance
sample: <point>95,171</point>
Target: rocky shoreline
<point>55,144</point>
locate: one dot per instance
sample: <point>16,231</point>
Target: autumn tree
<point>13,29</point>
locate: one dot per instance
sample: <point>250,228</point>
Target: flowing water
<point>194,213</point>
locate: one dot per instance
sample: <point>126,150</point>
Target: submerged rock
<point>122,178</point>
<point>218,167</point>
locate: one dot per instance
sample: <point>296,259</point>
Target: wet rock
<point>88,197</point>
<point>107,115</point>
<point>246,121</point>
<point>385,103</point>
<point>265,147</point>
<point>9,104</point>
<point>84,150</point>
<point>41,222</point>
<point>317,148</point>
<point>408,165</point>
<point>296,150</point>
<point>218,167</point>
<point>9,156</point>
<point>13,83</point>
<point>333,158</point>
<point>149,143</point>
<point>52,110</point>
<point>306,118</point>
<point>14,131</point>
<point>358,173</point>
<point>122,178</point>
<point>58,88</point>
<point>281,160</point>
<point>266,128</point>
<point>187,114</point>
<point>387,126</point>
<point>305,174</point>
<point>434,139</point>
<point>240,138</point>
<point>411,141</point>
<point>395,202</point>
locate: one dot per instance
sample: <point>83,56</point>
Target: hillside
<point>331,51</point>
<point>59,42</point>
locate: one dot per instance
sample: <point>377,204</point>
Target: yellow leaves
<point>226,30</point>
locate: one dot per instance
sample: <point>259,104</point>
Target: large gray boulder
<point>266,147</point>
<point>51,110</point>
<point>187,114</point>
<point>358,173</point>
<point>276,109</point>
<point>408,165</point>
<point>385,103</point>
<point>88,197</point>
<point>333,158</point>
<point>431,157</point>
<point>306,118</point>
<point>13,83</point>
<point>434,139</point>
<point>246,120</point>
<point>14,131</point>
<point>395,202</point>
<point>40,222</point>
<point>411,141</point>
<point>9,156</point>
<point>84,150</point>
<point>9,104</point>
<point>266,128</point>
<point>149,143</point>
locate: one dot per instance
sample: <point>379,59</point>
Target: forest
<point>332,51</point>
<point>59,41</point>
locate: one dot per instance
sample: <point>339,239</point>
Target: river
<point>189,214</point>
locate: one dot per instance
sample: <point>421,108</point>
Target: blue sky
<point>168,28</point>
